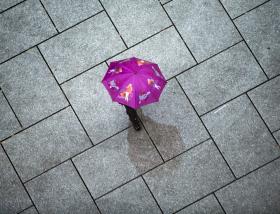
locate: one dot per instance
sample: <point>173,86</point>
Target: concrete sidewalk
<point>212,143</point>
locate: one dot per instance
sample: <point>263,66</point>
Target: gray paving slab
<point>188,177</point>
<point>13,197</point>
<point>238,7</point>
<point>30,87</point>
<point>277,136</point>
<point>267,100</point>
<point>260,28</point>
<point>259,192</point>
<point>8,3</point>
<point>66,13</point>
<point>52,140</point>
<point>221,78</point>
<point>241,135</point>
<point>30,210</point>
<point>101,117</point>
<point>8,121</point>
<point>166,49</point>
<point>23,27</point>
<point>133,197</point>
<point>61,190</point>
<point>116,161</point>
<point>172,123</point>
<point>204,25</point>
<point>82,47</point>
<point>136,20</point>
<point>208,205</point>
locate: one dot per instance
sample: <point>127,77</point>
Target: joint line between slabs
<point>179,33</point>
<point>243,38</point>
<point>151,193</point>
<point>19,178</point>
<point>85,184</point>
<point>65,96</point>
<point>250,10</point>
<point>219,202</point>
<point>262,119</point>
<point>49,16</point>
<point>206,129</point>
<point>113,23</point>
<point>12,109</point>
<point>24,209</point>
<point>9,8</point>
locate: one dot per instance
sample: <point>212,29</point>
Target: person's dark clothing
<point>133,117</point>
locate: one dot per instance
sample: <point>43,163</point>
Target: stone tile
<point>61,191</point>
<point>133,197</point>
<point>22,27</point>
<point>208,205</point>
<point>260,28</point>
<point>30,87</point>
<point>259,192</point>
<point>82,47</point>
<point>66,13</point>
<point>8,121</point>
<point>116,161</point>
<point>136,20</point>
<point>166,49</point>
<point>267,100</point>
<point>237,7</point>
<point>204,25</point>
<point>188,177</point>
<point>172,123</point>
<point>13,197</point>
<point>46,144</point>
<point>241,135</point>
<point>221,78</point>
<point>31,210</point>
<point>101,117</point>
<point>277,136</point>
<point>8,3</point>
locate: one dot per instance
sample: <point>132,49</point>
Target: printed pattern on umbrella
<point>134,82</point>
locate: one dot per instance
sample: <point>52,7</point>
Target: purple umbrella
<point>134,82</point>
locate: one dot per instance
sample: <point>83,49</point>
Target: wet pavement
<point>212,143</point>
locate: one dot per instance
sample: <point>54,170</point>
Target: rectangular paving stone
<point>241,135</point>
<point>166,49</point>
<point>259,192</point>
<point>204,206</point>
<point>8,3</point>
<point>8,121</point>
<point>204,25</point>
<point>66,13</point>
<point>13,197</point>
<point>61,190</point>
<point>116,161</point>
<point>82,47</point>
<point>101,117</point>
<point>277,136</point>
<point>46,144</point>
<point>31,210</point>
<point>172,123</point>
<point>260,28</point>
<point>22,27</point>
<point>237,7</point>
<point>267,100</point>
<point>221,78</point>
<point>133,197</point>
<point>188,177</point>
<point>136,20</point>
<point>30,87</point>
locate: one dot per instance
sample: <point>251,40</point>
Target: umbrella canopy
<point>134,82</point>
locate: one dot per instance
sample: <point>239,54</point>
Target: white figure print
<point>115,70</point>
<point>152,82</point>
<point>112,84</point>
<point>144,96</point>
